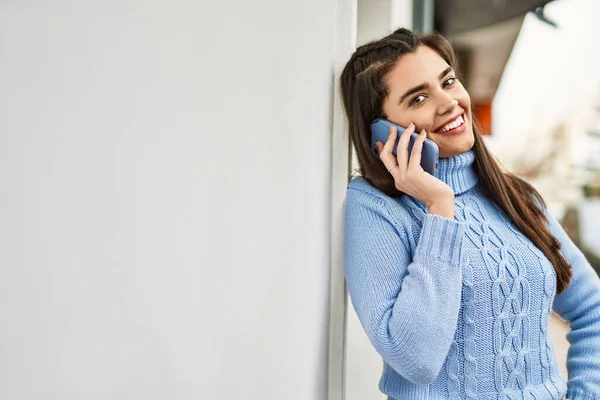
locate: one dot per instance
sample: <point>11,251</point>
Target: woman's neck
<point>458,171</point>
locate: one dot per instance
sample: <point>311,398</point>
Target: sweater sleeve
<point>580,305</point>
<point>408,308</point>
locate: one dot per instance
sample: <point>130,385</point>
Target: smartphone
<point>380,130</point>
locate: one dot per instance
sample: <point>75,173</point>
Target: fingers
<point>385,153</point>
<point>402,150</point>
<point>415,155</point>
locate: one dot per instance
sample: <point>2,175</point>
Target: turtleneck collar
<point>458,171</point>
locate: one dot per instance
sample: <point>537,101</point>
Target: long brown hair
<point>363,91</point>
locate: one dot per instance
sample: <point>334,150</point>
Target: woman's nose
<point>448,105</point>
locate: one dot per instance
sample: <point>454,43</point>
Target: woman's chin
<point>453,146</point>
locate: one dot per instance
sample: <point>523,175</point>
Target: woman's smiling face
<point>423,90</point>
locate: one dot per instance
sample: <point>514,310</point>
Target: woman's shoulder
<point>363,194</point>
<point>361,190</point>
<point>360,184</point>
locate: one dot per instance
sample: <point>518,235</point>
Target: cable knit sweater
<point>459,309</point>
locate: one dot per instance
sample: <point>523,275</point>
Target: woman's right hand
<point>410,177</point>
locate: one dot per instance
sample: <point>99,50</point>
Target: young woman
<point>454,277</point>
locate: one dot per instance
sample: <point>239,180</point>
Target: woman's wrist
<point>443,207</point>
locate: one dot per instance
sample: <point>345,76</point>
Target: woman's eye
<point>449,81</point>
<point>417,100</point>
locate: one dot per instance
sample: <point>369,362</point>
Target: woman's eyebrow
<point>413,90</point>
<point>445,72</point>
<point>423,85</point>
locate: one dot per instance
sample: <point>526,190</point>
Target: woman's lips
<point>455,131</point>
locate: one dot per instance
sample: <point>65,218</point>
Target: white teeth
<point>454,124</point>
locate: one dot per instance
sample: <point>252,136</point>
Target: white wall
<point>345,44</point>
<point>377,18</point>
<point>165,199</point>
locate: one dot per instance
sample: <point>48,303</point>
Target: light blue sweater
<point>459,309</point>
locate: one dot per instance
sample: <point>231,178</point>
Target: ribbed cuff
<point>441,238</point>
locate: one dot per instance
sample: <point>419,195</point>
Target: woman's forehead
<point>422,66</point>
